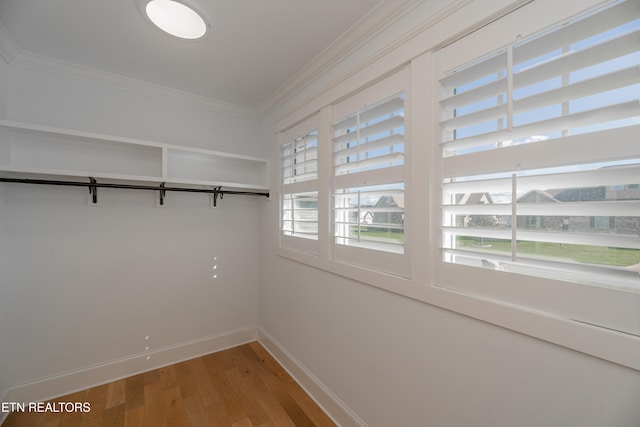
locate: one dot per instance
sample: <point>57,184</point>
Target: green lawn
<point>578,253</point>
<point>377,234</point>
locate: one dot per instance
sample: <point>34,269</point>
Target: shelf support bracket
<point>93,190</point>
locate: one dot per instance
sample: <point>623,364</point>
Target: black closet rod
<point>93,184</point>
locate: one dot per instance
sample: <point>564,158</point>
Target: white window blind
<point>299,187</point>
<point>368,141</point>
<point>540,154</point>
<point>369,147</point>
<point>300,159</point>
<point>300,214</point>
<point>371,217</point>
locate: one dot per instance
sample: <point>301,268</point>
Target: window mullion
<point>565,83</point>
<point>358,124</point>
<point>293,215</point>
<point>514,216</point>
<point>358,215</point>
<point>510,88</point>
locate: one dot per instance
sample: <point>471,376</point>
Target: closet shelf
<point>28,150</point>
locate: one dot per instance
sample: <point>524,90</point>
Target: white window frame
<point>379,260</point>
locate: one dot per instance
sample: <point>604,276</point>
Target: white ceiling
<point>254,48</point>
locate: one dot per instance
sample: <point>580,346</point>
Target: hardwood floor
<point>239,387</point>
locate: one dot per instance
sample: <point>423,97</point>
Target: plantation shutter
<point>368,141</point>
<point>540,153</point>
<point>300,159</point>
<point>356,147</point>
<point>299,187</point>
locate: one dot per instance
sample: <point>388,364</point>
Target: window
<point>547,128</point>
<point>514,196</point>
<point>602,222</point>
<point>371,217</point>
<point>342,195</point>
<point>299,192</point>
<point>368,139</point>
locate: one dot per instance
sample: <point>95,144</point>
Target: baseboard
<point>329,402</point>
<point>80,379</point>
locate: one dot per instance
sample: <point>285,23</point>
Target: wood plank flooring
<point>239,387</point>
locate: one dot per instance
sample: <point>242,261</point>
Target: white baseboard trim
<point>80,379</point>
<point>341,414</point>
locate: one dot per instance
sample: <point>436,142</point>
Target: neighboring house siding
<point>476,220</point>
<point>389,217</point>
<point>590,224</point>
<point>630,225</point>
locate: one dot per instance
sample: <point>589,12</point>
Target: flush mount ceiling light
<point>176,18</point>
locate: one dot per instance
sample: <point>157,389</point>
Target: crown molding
<point>91,75</point>
<point>388,48</point>
<point>9,49</point>
<point>405,43</point>
<point>362,31</point>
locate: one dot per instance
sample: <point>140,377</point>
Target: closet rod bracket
<point>93,190</point>
<point>163,194</point>
<point>217,191</point>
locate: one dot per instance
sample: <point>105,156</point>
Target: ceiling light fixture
<point>177,19</point>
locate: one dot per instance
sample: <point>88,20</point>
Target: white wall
<point>148,113</point>
<point>390,360</point>
<point>3,261</point>
<point>396,361</point>
<point>4,71</point>
<point>87,284</point>
<point>4,325</point>
<point>83,286</point>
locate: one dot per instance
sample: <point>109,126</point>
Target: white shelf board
<point>218,184</point>
<point>175,164</point>
<point>122,140</point>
